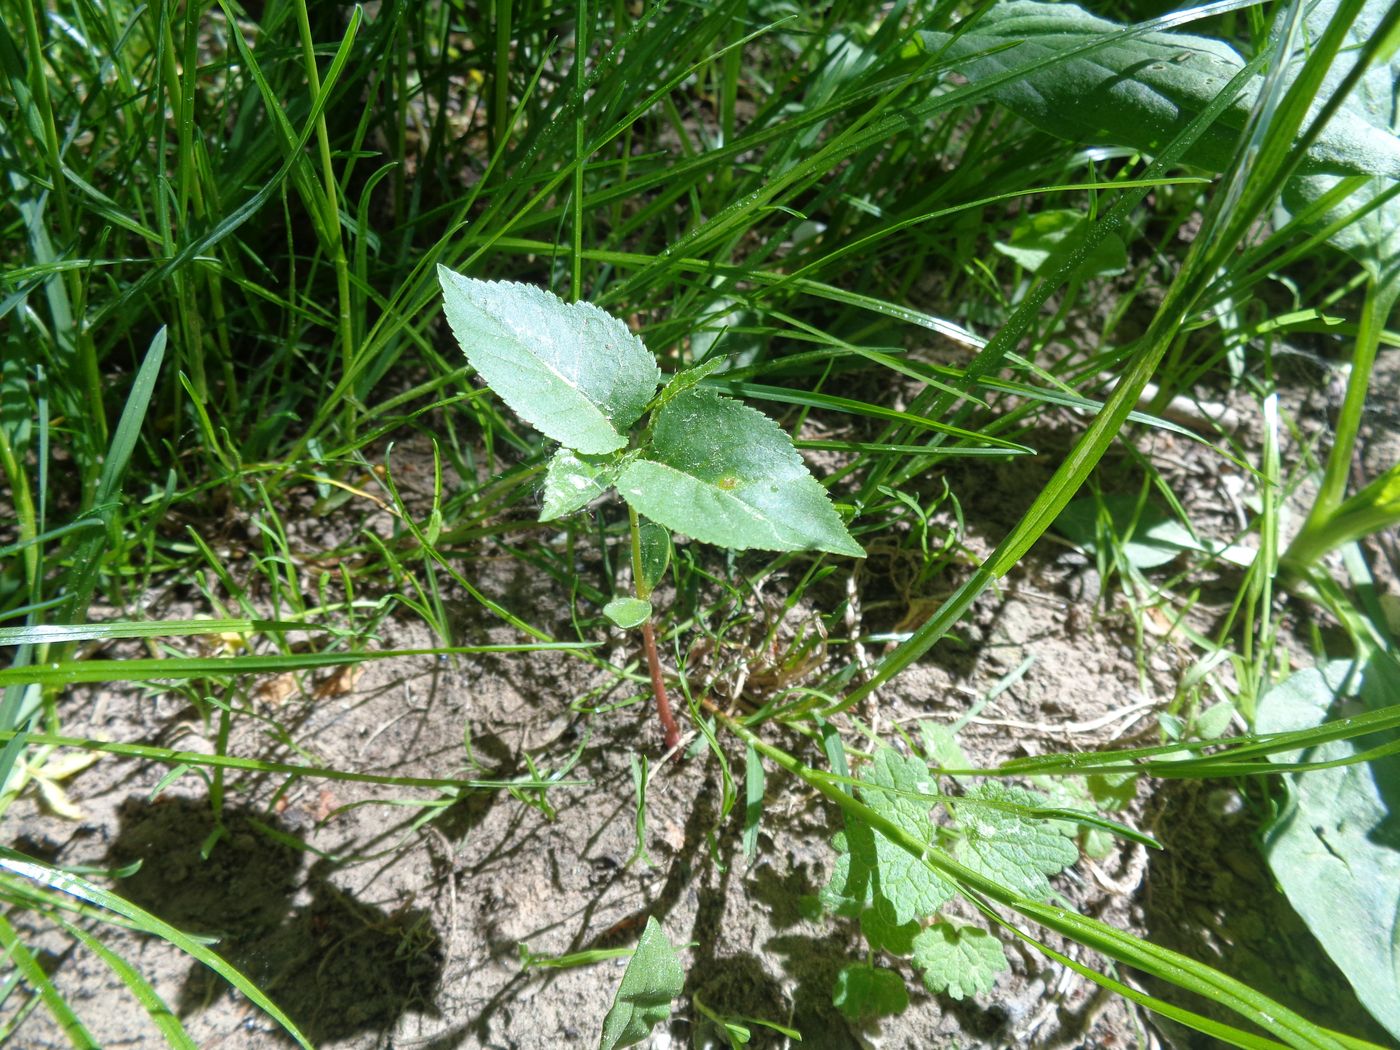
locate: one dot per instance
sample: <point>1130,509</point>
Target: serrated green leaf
<point>680,382</point>
<point>903,886</point>
<point>1136,90</point>
<point>571,370</point>
<point>628,612</point>
<point>864,992</point>
<point>571,482</point>
<point>1016,850</point>
<point>1038,236</point>
<point>726,474</point>
<point>959,960</point>
<point>653,978</point>
<point>847,890</point>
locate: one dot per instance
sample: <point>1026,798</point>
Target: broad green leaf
<point>1147,535</point>
<point>653,978</point>
<point>903,886</point>
<point>1335,850</point>
<point>1018,851</point>
<point>724,473</point>
<point>571,370</point>
<point>1136,90</point>
<point>628,612</point>
<point>959,960</point>
<point>1374,239</point>
<point>1036,237</point>
<point>571,482</point>
<point>864,992</point>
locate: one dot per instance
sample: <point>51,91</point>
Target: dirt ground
<point>395,918</point>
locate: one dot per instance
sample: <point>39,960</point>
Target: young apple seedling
<point>686,459</point>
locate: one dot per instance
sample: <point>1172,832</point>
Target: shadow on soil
<point>1210,895</point>
<point>337,966</point>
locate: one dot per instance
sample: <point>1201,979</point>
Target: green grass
<point>219,303</point>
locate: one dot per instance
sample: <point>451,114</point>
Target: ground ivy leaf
<point>869,991</point>
<point>628,612</point>
<point>726,474</point>
<point>902,884</point>
<point>573,481</point>
<point>883,935</point>
<point>959,960</point>
<point>1018,851</point>
<point>848,891</point>
<point>571,370</point>
<point>653,978</point>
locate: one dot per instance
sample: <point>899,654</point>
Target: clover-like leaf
<point>571,482</point>
<point>959,960</point>
<point>652,979</point>
<point>571,370</point>
<point>903,886</point>
<point>869,991</point>
<point>724,473</point>
<point>1018,851</point>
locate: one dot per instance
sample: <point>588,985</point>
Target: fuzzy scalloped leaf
<point>1137,90</point>
<point>904,887</point>
<point>885,936</point>
<point>571,482</point>
<point>653,978</point>
<point>1018,851</point>
<point>959,960</point>
<point>724,473</point>
<point>864,992</point>
<point>572,371</point>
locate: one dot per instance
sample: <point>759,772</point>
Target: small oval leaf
<point>572,482</point>
<point>628,612</point>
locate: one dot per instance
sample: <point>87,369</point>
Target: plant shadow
<point>337,966</point>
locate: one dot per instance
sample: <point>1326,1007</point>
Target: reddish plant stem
<point>658,688</point>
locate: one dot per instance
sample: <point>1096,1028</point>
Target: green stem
<point>1312,540</point>
<point>658,681</point>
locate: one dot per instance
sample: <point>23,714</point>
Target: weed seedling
<point>685,459</point>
